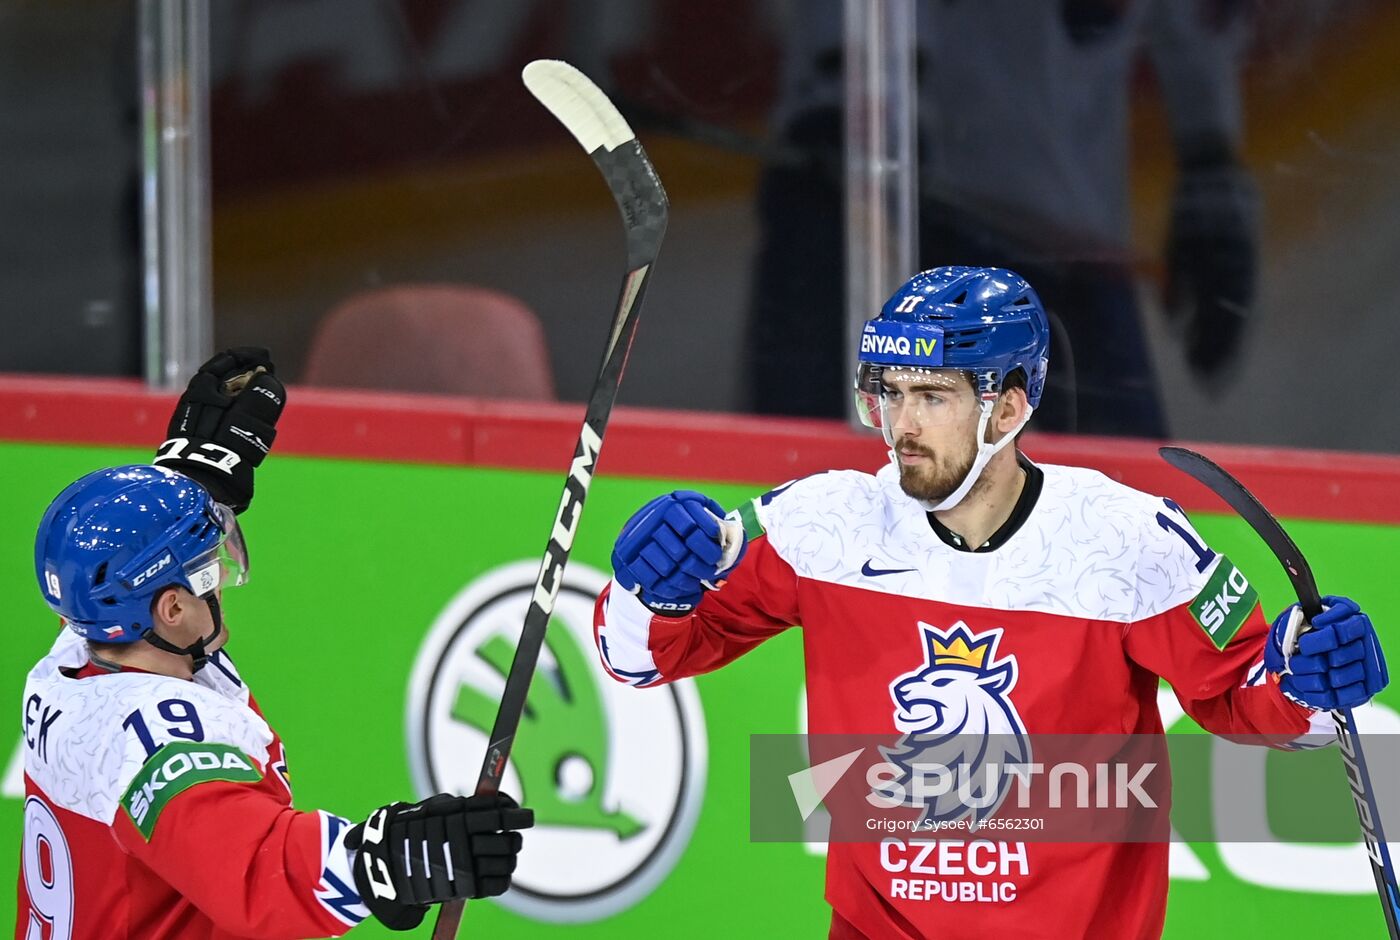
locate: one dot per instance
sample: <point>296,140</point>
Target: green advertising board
<point>376,628</point>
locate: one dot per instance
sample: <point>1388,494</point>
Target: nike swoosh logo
<point>871,572</point>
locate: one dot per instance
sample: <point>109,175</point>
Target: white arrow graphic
<point>810,786</point>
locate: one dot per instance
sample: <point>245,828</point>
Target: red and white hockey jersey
<point>157,807</point>
<point>1098,592</point>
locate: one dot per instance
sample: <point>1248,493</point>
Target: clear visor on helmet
<point>225,565</point>
<point>888,397</point>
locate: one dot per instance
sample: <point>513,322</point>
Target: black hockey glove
<point>224,424</point>
<point>1212,259</point>
<point>442,849</point>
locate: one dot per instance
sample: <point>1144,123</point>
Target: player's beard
<point>936,480</point>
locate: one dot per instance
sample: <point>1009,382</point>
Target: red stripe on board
<point>670,444</point>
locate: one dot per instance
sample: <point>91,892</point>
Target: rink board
<point>354,562</point>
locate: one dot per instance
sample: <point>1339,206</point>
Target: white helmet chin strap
<point>985,452</point>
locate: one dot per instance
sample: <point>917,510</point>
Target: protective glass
<point>898,396</point>
<point>226,565</point>
<point>233,550</point>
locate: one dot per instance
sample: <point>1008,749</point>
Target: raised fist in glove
<point>674,549</point>
<point>1211,259</point>
<point>1334,662</point>
<point>443,849</point>
<point>224,424</point>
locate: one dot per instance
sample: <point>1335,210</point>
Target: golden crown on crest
<point>958,653</point>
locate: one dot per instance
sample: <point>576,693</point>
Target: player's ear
<point>167,608</point>
<point>1011,408</point>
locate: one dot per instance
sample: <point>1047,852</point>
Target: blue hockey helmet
<point>985,321</point>
<point>114,539</point>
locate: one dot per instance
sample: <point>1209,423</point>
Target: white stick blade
<point>578,104</point>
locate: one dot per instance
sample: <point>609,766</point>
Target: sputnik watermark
<point>926,786</point>
<point>1099,786</point>
<point>851,788</point>
<point>1054,788</point>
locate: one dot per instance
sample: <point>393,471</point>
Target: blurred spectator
<point>1023,113</point>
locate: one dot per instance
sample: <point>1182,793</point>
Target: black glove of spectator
<point>224,424</point>
<point>1211,259</point>
<point>469,843</point>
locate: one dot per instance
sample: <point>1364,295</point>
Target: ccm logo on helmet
<point>164,562</point>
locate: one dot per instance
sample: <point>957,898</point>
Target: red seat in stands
<point>448,339</point>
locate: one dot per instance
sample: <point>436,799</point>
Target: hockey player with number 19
<point>1068,593</point>
<point>157,799</point>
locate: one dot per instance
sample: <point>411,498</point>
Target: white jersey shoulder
<point>815,521</point>
<point>84,737</point>
<point>1130,533</point>
<point>1091,547</point>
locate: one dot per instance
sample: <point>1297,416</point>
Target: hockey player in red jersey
<point>157,802</point>
<point>1060,593</point>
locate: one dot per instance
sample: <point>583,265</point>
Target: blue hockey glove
<point>1336,662</point>
<point>674,549</point>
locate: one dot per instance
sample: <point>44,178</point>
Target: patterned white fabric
<point>1091,547</point>
<point>89,758</point>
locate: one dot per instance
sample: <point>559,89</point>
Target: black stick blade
<point>1242,501</point>
<point>601,130</point>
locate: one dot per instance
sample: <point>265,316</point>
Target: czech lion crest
<point>955,714</point>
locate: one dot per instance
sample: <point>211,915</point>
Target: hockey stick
<point>596,123</point>
<point>1363,792</point>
